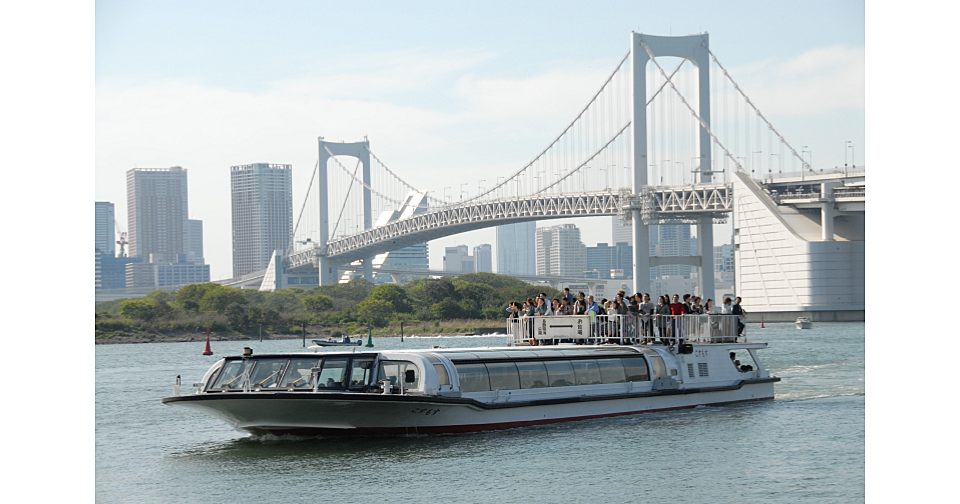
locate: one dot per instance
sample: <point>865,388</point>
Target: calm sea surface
<point>805,446</point>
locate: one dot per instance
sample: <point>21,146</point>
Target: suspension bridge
<point>641,149</point>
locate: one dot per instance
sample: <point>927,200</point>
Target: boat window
<point>361,371</point>
<point>503,376</point>
<point>586,371</point>
<point>560,373</point>
<point>533,374</point>
<point>267,373</point>
<point>231,378</point>
<point>659,368</point>
<point>611,371</point>
<point>298,373</point>
<point>400,372</point>
<point>442,374</point>
<point>332,373</point>
<point>636,368</point>
<point>473,377</point>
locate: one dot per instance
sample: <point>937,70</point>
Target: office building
<point>104,237</point>
<point>458,260</point>
<point>606,260</point>
<point>157,211</point>
<point>159,271</point>
<point>560,251</point>
<point>483,257</point>
<point>516,249</point>
<point>674,241</point>
<point>262,214</point>
<point>195,240</point>
<point>111,272</point>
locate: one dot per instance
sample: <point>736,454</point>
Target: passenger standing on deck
<point>647,310</point>
<point>663,319</point>
<point>677,310</point>
<point>612,320</point>
<point>726,309</point>
<point>567,295</point>
<point>741,317</point>
<point>592,305</point>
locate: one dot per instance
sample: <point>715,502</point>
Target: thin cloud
<point>816,82</point>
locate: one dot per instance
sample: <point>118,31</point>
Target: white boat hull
<point>372,414</point>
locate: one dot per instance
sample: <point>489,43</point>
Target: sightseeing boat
<point>554,369</point>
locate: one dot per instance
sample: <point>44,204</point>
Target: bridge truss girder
<point>661,204</point>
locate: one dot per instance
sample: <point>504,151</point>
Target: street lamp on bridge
<point>779,163</point>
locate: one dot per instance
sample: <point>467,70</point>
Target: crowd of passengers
<point>636,307</point>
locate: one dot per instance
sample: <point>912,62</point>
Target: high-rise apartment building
<point>262,212</point>
<point>157,211</point>
<point>483,257</point>
<point>560,251</point>
<point>103,227</point>
<point>517,249</point>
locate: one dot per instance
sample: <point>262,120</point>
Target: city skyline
<point>452,93</point>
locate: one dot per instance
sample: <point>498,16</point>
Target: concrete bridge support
<point>694,48</point>
<point>359,150</point>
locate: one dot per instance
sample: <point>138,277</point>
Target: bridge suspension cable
<point>703,123</point>
<point>306,198</point>
<point>595,154</point>
<point>404,182</point>
<point>347,195</point>
<point>754,107</point>
<point>555,140</point>
<point>364,184</point>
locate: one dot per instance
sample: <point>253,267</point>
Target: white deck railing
<point>623,329</point>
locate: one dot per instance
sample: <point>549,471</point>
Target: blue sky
<point>435,85</point>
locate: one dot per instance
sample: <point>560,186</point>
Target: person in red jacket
<point>676,309</point>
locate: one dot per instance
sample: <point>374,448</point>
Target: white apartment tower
<point>560,251</point>
<point>262,214</point>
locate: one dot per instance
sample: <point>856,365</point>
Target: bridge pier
<point>827,210</point>
<point>705,251</point>
<point>361,151</point>
<point>641,254</point>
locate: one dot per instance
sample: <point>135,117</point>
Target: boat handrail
<point>623,329</point>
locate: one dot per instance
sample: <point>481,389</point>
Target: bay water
<point>807,445</point>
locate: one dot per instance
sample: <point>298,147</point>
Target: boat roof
<point>506,352</point>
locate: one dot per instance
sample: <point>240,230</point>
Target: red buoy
<point>761,322</point>
<point>207,351</point>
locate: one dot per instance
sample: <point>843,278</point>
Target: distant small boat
<point>344,341</point>
<point>804,323</point>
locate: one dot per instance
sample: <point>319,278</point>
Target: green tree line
<point>347,305</point>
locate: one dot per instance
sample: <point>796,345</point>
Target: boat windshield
<point>231,376</point>
<point>267,372</point>
<point>298,373</point>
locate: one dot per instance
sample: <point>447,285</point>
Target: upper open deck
<point>625,329</point>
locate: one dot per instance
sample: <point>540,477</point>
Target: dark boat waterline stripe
<point>453,400</point>
<point>466,428</point>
